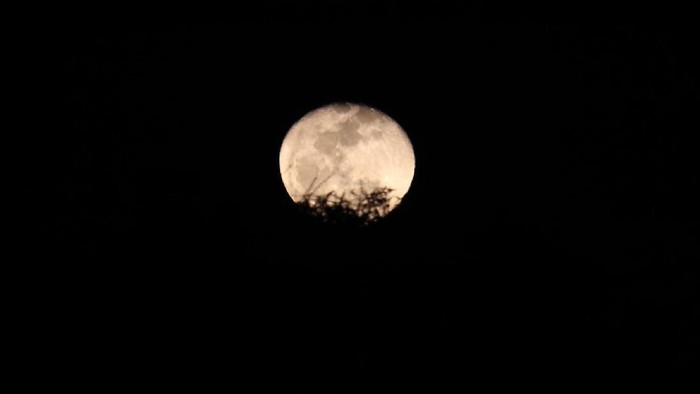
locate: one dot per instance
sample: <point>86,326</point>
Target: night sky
<point>547,232</point>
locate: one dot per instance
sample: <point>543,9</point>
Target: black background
<point>547,232</point>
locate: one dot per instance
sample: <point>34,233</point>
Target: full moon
<point>347,151</point>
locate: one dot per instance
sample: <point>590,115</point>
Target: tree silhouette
<point>362,208</point>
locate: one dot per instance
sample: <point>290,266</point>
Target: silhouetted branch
<point>363,208</point>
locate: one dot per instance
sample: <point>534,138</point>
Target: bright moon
<point>347,150</point>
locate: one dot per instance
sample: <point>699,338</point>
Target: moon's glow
<point>344,149</point>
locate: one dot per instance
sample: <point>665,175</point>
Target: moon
<point>348,150</point>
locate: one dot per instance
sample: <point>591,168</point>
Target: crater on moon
<point>348,133</point>
<point>326,142</point>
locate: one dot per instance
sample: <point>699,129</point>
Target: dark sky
<point>547,230</point>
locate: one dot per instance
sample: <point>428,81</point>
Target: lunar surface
<point>346,150</point>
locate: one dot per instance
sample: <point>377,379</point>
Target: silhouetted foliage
<point>361,209</point>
